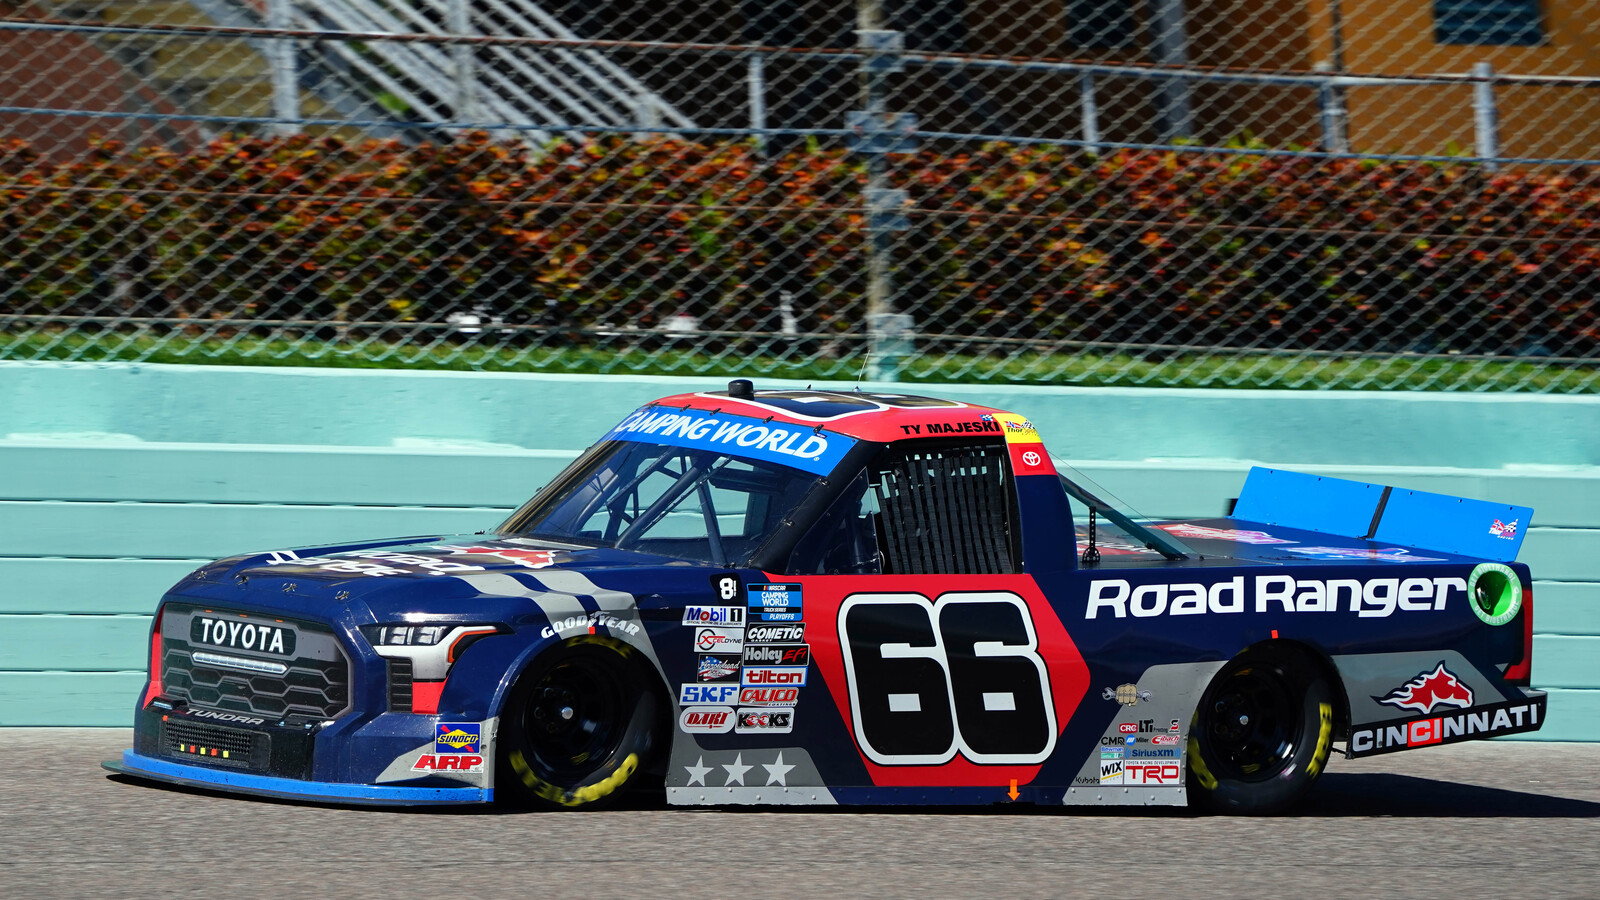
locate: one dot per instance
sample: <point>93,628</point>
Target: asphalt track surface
<point>1487,819</point>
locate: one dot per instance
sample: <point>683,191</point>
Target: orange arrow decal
<point>1013,793</point>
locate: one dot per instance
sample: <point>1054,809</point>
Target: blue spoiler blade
<point>1376,512</point>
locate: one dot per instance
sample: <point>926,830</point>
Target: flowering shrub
<point>1037,243</point>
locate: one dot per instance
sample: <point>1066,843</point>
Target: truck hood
<point>461,574</point>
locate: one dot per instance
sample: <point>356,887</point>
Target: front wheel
<point>579,727</point>
<point>1261,734</point>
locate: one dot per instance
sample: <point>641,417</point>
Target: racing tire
<point>580,727</point>
<point>1261,734</point>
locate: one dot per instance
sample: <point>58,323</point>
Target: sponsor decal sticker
<point>1111,769</point>
<point>1476,722</point>
<point>1128,728</point>
<point>768,696</point>
<point>1153,753</point>
<point>587,625</point>
<point>1428,691</point>
<point>774,676</point>
<point>1494,592</point>
<point>718,640</point>
<point>1025,446</point>
<point>1174,727</point>
<point>777,655</point>
<point>1367,598</point>
<point>1501,530</point>
<point>706,719</point>
<point>1126,694</point>
<point>707,694</point>
<point>713,615</point>
<point>242,634</point>
<point>1153,774</point>
<point>1238,536</point>
<point>1166,739</point>
<point>717,668</point>
<point>796,446</point>
<point>776,634</point>
<point>440,762</point>
<point>457,737</point>
<point>764,721</point>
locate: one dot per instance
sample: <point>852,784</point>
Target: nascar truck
<point>819,597</point>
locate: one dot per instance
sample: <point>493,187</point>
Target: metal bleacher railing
<point>1300,193</point>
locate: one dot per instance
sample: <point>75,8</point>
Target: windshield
<point>672,501</point>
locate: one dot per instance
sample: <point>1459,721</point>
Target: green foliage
<point>1038,245</point>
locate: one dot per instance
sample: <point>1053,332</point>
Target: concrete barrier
<point>128,476</point>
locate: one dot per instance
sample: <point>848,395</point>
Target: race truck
<point>834,597</point>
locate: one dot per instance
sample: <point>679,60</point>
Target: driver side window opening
<point>945,508</point>
<point>683,503</point>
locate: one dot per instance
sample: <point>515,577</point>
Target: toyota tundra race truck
<point>816,597</point>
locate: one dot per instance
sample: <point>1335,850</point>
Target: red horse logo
<point>1429,691</point>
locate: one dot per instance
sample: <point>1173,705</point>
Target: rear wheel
<point>579,727</point>
<point>1261,734</point>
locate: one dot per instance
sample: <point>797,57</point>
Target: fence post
<point>285,69</point>
<point>1330,97</point>
<point>1089,113</point>
<point>888,332</point>
<point>1172,49</point>
<point>460,24</point>
<point>1485,118</point>
<point>757,81</point>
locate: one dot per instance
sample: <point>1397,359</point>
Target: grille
<point>311,688</point>
<point>213,744</point>
<point>399,685</point>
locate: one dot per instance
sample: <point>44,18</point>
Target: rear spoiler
<point>1376,512</point>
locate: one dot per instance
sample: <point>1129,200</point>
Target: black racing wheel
<point>1261,734</point>
<point>579,727</point>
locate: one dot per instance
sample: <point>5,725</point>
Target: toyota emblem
<point>1031,458</point>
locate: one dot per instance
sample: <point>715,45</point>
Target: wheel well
<point>648,673</point>
<point>1318,662</point>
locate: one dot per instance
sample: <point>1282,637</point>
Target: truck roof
<point>858,414</point>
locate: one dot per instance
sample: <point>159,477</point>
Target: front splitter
<point>140,766</point>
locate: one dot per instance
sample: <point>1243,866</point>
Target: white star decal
<point>777,772</point>
<point>736,769</point>
<point>698,771</point>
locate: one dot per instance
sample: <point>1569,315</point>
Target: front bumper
<point>389,759</point>
<point>140,766</point>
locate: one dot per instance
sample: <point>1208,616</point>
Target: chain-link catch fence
<point>1289,193</point>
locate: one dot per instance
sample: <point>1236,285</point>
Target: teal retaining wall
<point>115,480</point>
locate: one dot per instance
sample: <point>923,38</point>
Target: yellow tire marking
<point>1324,740</point>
